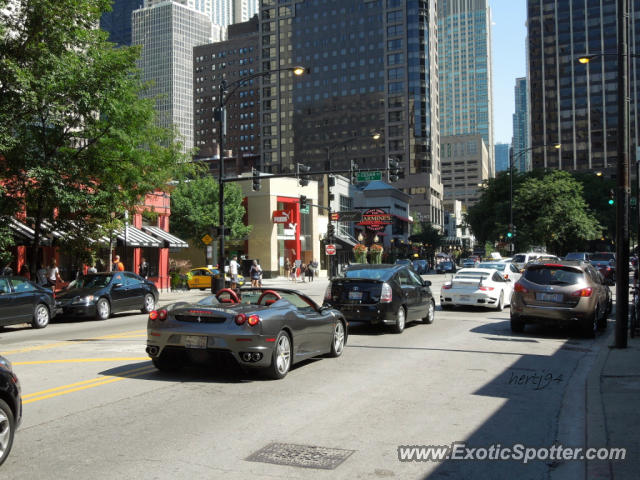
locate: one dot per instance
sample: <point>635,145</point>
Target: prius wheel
<point>7,430</point>
<point>401,320</point>
<point>337,342</point>
<point>149,303</point>
<point>430,313</point>
<point>280,358</point>
<point>41,316</point>
<point>103,309</point>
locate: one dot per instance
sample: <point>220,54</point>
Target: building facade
<point>230,60</point>
<point>373,70</point>
<point>520,140</point>
<point>465,167</point>
<point>571,103</point>
<point>118,21</point>
<point>501,155</point>
<point>464,66</point>
<point>167,33</point>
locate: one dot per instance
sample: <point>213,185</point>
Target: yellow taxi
<point>201,278</point>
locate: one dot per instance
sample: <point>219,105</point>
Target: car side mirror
<point>426,283</point>
<point>115,285</point>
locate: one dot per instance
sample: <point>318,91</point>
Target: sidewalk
<point>613,409</point>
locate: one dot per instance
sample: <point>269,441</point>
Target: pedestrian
<point>314,268</point>
<point>7,270</point>
<point>303,271</point>
<point>287,268</point>
<point>41,276</point>
<point>144,268</point>
<point>233,271</point>
<point>24,272</point>
<point>255,272</point>
<point>309,272</point>
<point>53,274</point>
<point>117,265</point>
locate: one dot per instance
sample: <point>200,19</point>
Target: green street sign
<point>369,176</point>
<point>305,209</point>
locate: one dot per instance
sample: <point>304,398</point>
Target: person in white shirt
<point>233,271</point>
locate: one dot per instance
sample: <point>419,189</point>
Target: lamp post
<point>511,162</point>
<point>220,116</point>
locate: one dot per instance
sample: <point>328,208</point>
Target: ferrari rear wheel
<point>167,362</point>
<point>337,342</point>
<point>281,357</point>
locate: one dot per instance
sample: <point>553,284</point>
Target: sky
<point>509,34</point>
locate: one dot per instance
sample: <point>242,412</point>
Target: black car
<point>446,267</point>
<point>605,263</point>
<point>101,294</point>
<point>382,294</point>
<point>10,407</point>
<point>22,301</point>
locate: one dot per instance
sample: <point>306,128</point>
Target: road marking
<point>81,360</point>
<point>131,334</point>
<point>94,382</point>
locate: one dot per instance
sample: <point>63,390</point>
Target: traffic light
<point>612,197</point>
<point>354,172</point>
<point>332,181</point>
<point>300,168</point>
<point>256,180</point>
<point>331,230</point>
<point>510,232</point>
<point>303,201</point>
<point>393,166</point>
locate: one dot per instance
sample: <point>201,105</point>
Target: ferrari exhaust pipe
<point>152,350</point>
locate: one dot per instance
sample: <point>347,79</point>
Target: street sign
<point>347,216</point>
<point>369,176</point>
<point>305,209</point>
<point>330,249</point>
<point>207,239</point>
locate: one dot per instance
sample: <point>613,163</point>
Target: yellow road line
<point>96,382</point>
<point>132,334</point>
<point>82,360</point>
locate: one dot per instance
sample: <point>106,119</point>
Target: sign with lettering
<point>347,216</point>
<point>281,216</point>
<point>375,219</point>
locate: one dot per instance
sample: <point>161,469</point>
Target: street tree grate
<point>305,456</point>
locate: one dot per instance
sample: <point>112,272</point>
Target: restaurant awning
<point>169,240</point>
<point>137,238</point>
<point>21,232</point>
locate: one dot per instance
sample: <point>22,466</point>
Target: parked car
<point>201,278</point>
<point>582,256</point>
<point>508,270</point>
<point>446,267</point>
<point>521,259</point>
<point>421,266</point>
<point>10,407</point>
<point>470,262</point>
<point>571,292</point>
<point>382,295</point>
<point>477,287</point>
<point>101,294</point>
<point>403,261</point>
<point>269,329</point>
<point>605,263</point>
<point>22,301</point>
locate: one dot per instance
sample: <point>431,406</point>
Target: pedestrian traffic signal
<point>354,172</point>
<point>300,168</point>
<point>393,167</point>
<point>331,230</point>
<point>303,201</point>
<point>332,181</point>
<point>256,180</point>
<point>612,197</point>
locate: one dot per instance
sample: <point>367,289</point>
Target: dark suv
<point>605,262</point>
<point>10,407</point>
<point>567,292</point>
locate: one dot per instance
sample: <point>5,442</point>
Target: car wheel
<point>517,325</point>
<point>41,316</point>
<point>430,313</point>
<point>337,342</point>
<point>103,309</point>
<point>167,362</point>
<point>590,325</point>
<point>149,303</point>
<point>401,320</point>
<point>500,306</point>
<point>7,430</point>
<point>281,357</point>
<point>602,320</point>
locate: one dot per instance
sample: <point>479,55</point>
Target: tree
<point>425,232</point>
<point>551,211</point>
<point>194,209</point>
<point>79,143</point>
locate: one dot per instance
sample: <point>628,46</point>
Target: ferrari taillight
<point>153,315</point>
<point>240,318</point>
<point>253,320</point>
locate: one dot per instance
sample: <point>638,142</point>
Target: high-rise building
<point>231,60</point>
<point>501,156</point>
<point>118,21</point>
<point>243,10</point>
<point>167,32</point>
<point>520,140</point>
<point>373,70</point>
<point>464,66</point>
<point>575,104</point>
<point>465,167</point>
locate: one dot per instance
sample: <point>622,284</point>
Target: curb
<point>595,420</point>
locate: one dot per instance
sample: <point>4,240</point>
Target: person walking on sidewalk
<point>255,272</point>
<point>233,272</point>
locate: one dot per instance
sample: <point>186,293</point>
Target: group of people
<point>299,271</point>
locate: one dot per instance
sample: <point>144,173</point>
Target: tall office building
<point>464,63</point>
<point>501,156</point>
<point>575,104</point>
<point>167,32</point>
<point>244,10</point>
<point>465,167</point>
<point>373,70</point>
<point>520,140</point>
<point>118,21</point>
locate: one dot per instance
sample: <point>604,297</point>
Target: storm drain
<point>306,456</point>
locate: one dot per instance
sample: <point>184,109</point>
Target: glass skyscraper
<point>464,64</point>
<point>502,156</point>
<point>118,21</point>
<point>520,141</point>
<point>373,70</point>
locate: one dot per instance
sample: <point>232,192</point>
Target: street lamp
<point>511,162</point>
<point>220,116</point>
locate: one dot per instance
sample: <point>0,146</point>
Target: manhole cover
<point>306,456</point>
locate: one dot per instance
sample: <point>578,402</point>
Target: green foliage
<point>425,232</point>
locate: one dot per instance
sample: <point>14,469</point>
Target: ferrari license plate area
<point>195,341</point>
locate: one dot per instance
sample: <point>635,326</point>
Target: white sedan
<point>478,287</point>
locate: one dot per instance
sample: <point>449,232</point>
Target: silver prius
<point>269,329</point>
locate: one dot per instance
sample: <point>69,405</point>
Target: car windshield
<point>497,266</point>
<point>373,274</point>
<point>575,256</point>
<point>519,259</point>
<point>93,281</point>
<point>546,275</point>
<point>602,257</point>
<point>446,264</point>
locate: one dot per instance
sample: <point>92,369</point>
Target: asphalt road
<point>94,406</point>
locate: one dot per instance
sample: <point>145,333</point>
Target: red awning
<point>404,219</point>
